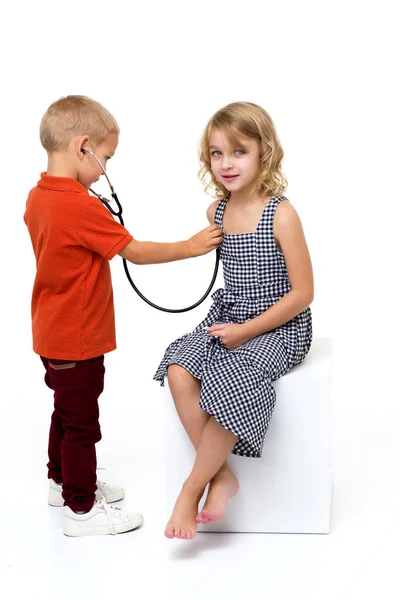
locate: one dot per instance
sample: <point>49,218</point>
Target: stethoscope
<point>118,213</point>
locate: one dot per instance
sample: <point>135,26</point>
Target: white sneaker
<point>112,493</point>
<point>100,520</point>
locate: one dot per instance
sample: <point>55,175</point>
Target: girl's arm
<point>288,232</point>
<point>211,211</point>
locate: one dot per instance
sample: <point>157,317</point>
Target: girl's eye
<point>239,151</point>
<point>216,153</point>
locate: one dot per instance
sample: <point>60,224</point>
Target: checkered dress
<point>236,385</point>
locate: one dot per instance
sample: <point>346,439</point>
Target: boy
<point>73,237</point>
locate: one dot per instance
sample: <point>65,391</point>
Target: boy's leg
<point>77,386</point>
<point>215,445</point>
<point>56,436</point>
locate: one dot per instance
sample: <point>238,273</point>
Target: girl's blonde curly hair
<point>254,122</point>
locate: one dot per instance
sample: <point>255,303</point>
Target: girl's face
<point>236,167</point>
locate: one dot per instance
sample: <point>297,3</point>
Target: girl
<point>259,325</point>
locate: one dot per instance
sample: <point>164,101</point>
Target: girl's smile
<point>229,177</point>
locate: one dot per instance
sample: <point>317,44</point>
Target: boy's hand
<point>206,240</point>
<point>232,335</point>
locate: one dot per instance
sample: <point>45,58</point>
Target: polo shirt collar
<point>60,184</point>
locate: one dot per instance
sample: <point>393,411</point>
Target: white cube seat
<point>289,489</point>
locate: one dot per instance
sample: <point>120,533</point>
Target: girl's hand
<point>232,335</point>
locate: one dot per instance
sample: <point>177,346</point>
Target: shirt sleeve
<point>99,231</point>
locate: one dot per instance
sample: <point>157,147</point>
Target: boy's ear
<point>80,142</point>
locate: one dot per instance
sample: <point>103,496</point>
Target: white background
<point>327,74</point>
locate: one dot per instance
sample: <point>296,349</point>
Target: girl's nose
<point>226,161</point>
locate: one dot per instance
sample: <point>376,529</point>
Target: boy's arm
<point>99,232</point>
<point>146,253</point>
<point>143,253</point>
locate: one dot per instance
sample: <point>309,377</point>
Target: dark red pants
<point>75,428</point>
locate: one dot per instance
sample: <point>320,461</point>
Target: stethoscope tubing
<point>129,277</point>
<point>118,214</point>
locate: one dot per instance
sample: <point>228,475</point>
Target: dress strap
<point>265,231</point>
<point>219,213</point>
<point>267,219</point>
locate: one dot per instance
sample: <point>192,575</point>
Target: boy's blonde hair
<point>252,121</point>
<point>75,115</point>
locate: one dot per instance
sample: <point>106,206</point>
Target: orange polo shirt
<point>73,237</point>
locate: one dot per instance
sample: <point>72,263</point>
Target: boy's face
<point>236,167</point>
<point>89,170</point>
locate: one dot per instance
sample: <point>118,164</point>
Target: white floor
<point>359,559</point>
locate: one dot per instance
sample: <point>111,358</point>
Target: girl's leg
<point>215,445</point>
<point>185,390</point>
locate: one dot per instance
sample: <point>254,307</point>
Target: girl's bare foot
<point>222,487</point>
<point>182,523</point>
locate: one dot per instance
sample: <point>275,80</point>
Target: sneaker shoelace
<point>109,510</point>
<point>101,485</point>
